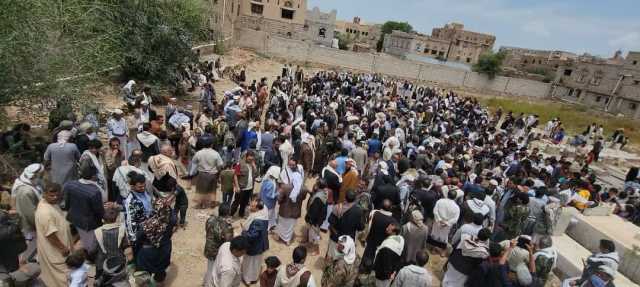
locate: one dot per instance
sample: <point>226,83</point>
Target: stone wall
<point>305,51</point>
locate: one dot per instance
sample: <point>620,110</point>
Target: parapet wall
<point>306,51</point>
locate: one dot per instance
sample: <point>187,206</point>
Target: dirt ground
<point>188,263</point>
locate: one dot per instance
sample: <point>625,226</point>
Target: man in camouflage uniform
<point>220,130</point>
<point>364,202</point>
<point>545,260</point>
<point>516,214</point>
<point>218,231</point>
<point>341,273</point>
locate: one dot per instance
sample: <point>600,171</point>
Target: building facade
<point>536,61</point>
<point>365,36</point>
<point>611,85</point>
<point>222,18</point>
<point>449,43</point>
<point>321,26</point>
<point>284,18</point>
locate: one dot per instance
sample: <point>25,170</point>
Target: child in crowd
<point>227,182</point>
<point>268,277</point>
<point>78,275</point>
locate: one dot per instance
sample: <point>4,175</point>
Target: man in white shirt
<point>226,270</point>
<point>117,128</point>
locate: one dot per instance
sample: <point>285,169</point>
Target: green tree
<point>53,50</point>
<point>45,46</point>
<point>389,27</point>
<point>489,63</point>
<point>158,37</point>
<point>344,41</point>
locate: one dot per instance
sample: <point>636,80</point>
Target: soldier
<point>344,270</point>
<point>516,215</point>
<point>218,231</point>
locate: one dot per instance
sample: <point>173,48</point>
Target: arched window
<point>322,32</point>
<point>288,4</point>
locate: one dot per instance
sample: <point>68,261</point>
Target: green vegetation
<point>389,27</point>
<point>575,118</point>
<point>51,51</point>
<point>489,63</point>
<point>344,41</point>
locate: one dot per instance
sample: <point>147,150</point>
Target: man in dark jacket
<point>316,214</point>
<point>83,203</point>
<point>346,219</point>
<point>379,220</point>
<point>12,241</point>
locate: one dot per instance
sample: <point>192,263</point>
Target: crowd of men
<point>404,171</point>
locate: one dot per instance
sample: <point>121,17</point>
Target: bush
<point>489,64</point>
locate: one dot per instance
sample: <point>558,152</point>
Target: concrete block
<point>588,231</point>
<point>603,209</point>
<point>570,258</point>
<point>564,220</point>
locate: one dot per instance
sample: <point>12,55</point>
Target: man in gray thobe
<point>62,159</point>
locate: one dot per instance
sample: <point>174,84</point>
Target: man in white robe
<point>446,213</point>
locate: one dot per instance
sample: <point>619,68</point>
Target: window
<point>582,75</point>
<point>468,60</point>
<point>288,4</point>
<point>458,58</point>
<point>598,99</point>
<point>597,78</point>
<point>636,82</point>
<point>567,72</point>
<point>256,9</point>
<point>526,62</point>
<point>606,101</point>
<point>635,62</point>
<point>433,52</point>
<point>287,14</point>
<point>633,106</point>
<point>441,53</point>
<point>322,32</point>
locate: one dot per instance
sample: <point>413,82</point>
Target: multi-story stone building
<point>281,17</point>
<point>449,43</point>
<point>612,85</point>
<point>321,26</point>
<point>364,36</point>
<point>222,17</point>
<point>536,61</point>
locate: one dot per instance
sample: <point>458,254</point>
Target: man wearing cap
<point>117,128</point>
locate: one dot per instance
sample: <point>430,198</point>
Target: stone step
<point>588,230</point>
<point>570,256</point>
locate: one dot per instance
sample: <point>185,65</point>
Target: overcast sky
<point>599,27</point>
